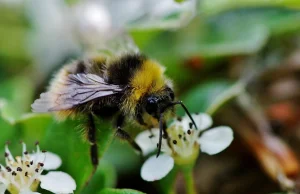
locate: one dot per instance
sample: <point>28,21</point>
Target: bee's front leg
<point>120,133</point>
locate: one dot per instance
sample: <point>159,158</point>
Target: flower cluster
<point>182,144</point>
<point>23,174</point>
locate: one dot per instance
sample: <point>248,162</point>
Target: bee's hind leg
<point>91,135</point>
<point>120,133</point>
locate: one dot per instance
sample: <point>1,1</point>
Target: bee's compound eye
<point>152,105</point>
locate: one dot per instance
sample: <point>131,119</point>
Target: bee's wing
<point>76,90</point>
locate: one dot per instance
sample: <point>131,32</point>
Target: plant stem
<point>167,184</point>
<point>189,180</point>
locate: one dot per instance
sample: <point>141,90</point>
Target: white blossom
<point>182,144</point>
<point>23,174</point>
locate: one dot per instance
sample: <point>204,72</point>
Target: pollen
<point>22,171</point>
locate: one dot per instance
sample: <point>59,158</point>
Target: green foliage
<point>69,143</point>
<point>7,130</point>
<point>217,32</point>
<point>105,177</point>
<point>13,32</point>
<point>234,32</point>
<point>17,93</point>
<point>126,160</point>
<point>213,7</point>
<point>32,127</point>
<point>202,96</point>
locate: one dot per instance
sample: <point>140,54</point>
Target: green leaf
<point>122,156</point>
<point>32,127</point>
<point>8,131</point>
<point>217,39</point>
<point>17,93</point>
<point>66,139</point>
<point>202,96</point>
<point>105,135</point>
<point>120,191</point>
<point>104,177</point>
<point>209,7</point>
<point>243,31</point>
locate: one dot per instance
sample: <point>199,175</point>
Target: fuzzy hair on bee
<point>131,87</point>
<point>95,86</point>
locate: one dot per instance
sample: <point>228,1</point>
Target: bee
<point>130,86</point>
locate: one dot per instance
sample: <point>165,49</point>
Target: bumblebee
<point>128,87</point>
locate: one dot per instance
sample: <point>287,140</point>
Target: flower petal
<point>58,182</point>
<point>52,161</point>
<point>147,140</point>
<point>156,168</point>
<point>215,140</point>
<point>202,120</point>
<point>2,188</point>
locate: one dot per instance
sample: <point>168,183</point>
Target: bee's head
<point>158,103</point>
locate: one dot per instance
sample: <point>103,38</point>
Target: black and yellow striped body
<point>131,87</point>
<point>139,78</point>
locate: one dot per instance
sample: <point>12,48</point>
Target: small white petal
<point>52,161</point>
<point>3,181</point>
<point>2,188</point>
<point>58,182</point>
<point>146,143</point>
<point>215,140</point>
<point>157,168</point>
<point>202,120</point>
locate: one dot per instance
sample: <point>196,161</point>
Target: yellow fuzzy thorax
<point>149,79</point>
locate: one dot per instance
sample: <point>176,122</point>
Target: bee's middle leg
<point>120,133</point>
<point>92,138</point>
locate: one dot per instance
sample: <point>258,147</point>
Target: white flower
<point>23,174</point>
<point>182,145</point>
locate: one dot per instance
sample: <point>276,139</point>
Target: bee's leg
<point>165,135</point>
<point>91,134</point>
<point>124,135</point>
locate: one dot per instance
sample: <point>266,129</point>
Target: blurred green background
<point>206,48</point>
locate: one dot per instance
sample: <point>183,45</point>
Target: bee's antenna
<point>161,125</point>
<point>186,110</point>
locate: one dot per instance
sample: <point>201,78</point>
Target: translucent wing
<point>75,90</point>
